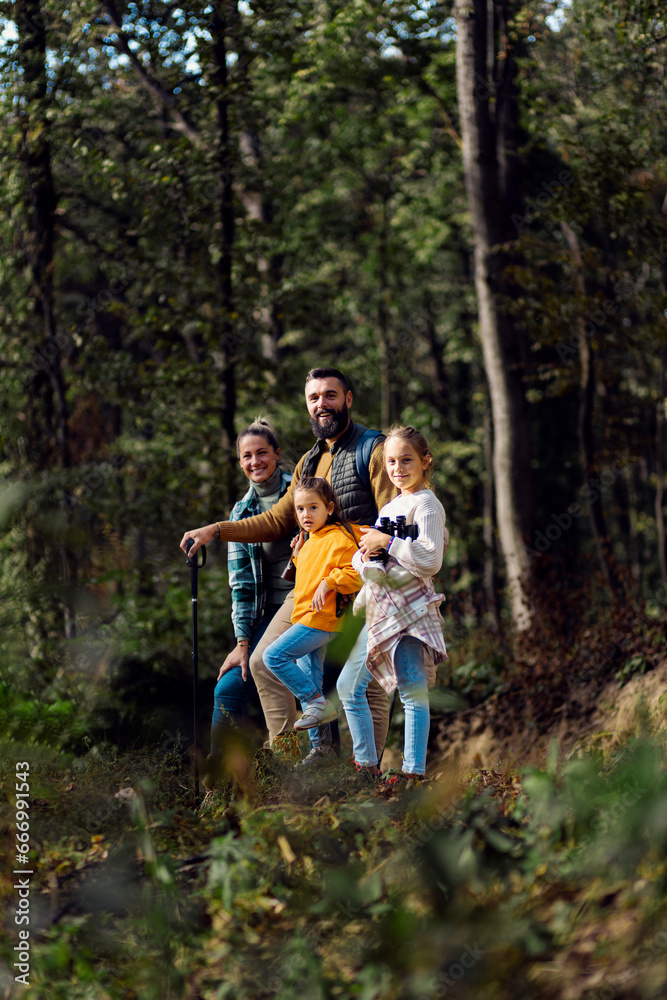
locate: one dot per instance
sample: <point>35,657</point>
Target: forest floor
<point>597,712</point>
<point>532,865</point>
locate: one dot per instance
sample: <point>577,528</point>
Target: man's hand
<point>238,657</point>
<point>320,595</point>
<point>201,536</point>
<point>372,542</point>
<point>446,545</point>
<point>298,542</point>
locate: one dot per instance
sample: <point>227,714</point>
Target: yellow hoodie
<point>327,555</point>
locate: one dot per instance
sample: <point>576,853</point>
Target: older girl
<point>404,625</point>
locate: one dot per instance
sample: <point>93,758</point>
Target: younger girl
<point>323,569</point>
<point>404,624</point>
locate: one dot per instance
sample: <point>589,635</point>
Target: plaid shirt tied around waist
<point>402,604</point>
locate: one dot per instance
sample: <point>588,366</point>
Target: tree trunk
<point>586,397</point>
<point>485,81</point>
<point>439,379</point>
<point>40,240</point>
<point>660,469</point>
<point>383,321</point>
<point>270,268</point>
<point>222,14</point>
<point>634,543</point>
<point>47,393</point>
<point>586,406</point>
<point>489,568</point>
<point>258,206</point>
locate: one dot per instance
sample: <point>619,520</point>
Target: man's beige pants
<point>279,704</point>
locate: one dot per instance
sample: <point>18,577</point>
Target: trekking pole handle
<point>190,542</point>
<point>195,566</point>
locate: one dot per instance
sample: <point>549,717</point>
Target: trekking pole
<point>195,566</point>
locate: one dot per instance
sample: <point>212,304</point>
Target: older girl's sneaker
<point>362,777</point>
<point>399,781</point>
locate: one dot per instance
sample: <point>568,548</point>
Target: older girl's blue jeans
<point>412,690</point>
<point>352,683</point>
<point>297,659</point>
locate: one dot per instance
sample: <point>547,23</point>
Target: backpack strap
<point>365,447</point>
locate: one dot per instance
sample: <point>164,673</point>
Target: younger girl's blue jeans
<point>412,690</point>
<point>297,659</point>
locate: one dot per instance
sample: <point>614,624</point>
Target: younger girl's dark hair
<point>262,428</point>
<point>325,491</point>
<point>417,440</point>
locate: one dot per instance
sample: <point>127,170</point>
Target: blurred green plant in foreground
<point>549,882</point>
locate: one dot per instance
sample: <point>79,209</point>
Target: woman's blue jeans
<point>412,690</point>
<point>231,692</point>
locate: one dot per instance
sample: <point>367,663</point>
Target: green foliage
<point>634,666</point>
<point>477,681</point>
<point>476,667</point>
<point>347,894</point>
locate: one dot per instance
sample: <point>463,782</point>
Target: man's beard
<point>332,426</point>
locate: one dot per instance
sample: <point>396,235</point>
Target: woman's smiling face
<point>257,457</point>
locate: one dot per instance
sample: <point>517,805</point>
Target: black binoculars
<point>397,528</point>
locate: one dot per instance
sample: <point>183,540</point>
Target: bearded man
<point>350,457</point>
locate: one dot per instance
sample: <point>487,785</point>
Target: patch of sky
<point>423,20</point>
<point>8,32</point>
<point>556,20</point>
<point>176,47</point>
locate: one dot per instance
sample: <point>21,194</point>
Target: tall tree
<point>40,231</point>
<point>487,95</point>
<point>595,112</point>
<point>587,362</point>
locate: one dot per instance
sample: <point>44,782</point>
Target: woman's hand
<point>238,657</point>
<point>320,596</point>
<point>200,536</point>
<point>298,542</point>
<point>372,542</point>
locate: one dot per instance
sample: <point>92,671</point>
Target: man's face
<point>328,405</point>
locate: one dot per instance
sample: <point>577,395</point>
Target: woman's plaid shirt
<point>244,564</point>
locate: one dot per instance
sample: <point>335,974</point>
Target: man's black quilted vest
<point>356,501</point>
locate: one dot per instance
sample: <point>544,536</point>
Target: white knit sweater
<point>423,555</point>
